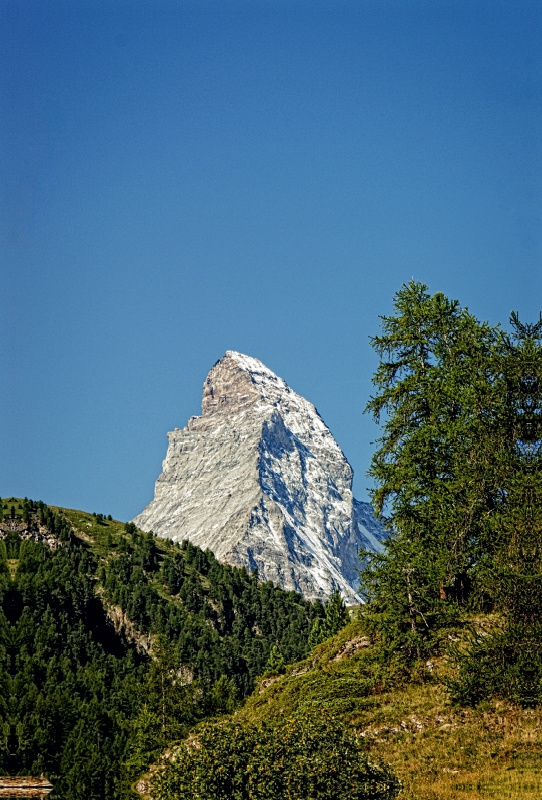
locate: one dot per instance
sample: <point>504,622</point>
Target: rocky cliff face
<point>259,480</point>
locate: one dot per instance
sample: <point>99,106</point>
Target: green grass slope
<point>438,751</point>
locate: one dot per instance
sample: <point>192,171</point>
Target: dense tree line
<point>70,684</point>
<point>79,703</point>
<point>221,619</point>
<point>457,473</point>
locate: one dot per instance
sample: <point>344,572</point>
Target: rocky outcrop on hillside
<point>259,480</point>
<point>29,530</point>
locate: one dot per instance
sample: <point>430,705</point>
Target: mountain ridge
<point>259,479</point>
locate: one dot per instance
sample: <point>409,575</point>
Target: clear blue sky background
<point>183,178</point>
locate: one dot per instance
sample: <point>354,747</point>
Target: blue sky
<point>184,178</point>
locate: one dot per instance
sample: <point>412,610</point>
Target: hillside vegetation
<point>84,704</point>
<point>70,683</point>
<point>442,677</point>
<point>458,471</point>
<point>221,619</point>
<point>439,751</point>
<point>113,643</point>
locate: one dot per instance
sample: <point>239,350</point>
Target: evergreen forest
<point>133,666</point>
<point>115,644</point>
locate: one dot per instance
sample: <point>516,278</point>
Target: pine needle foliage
<point>507,663</point>
<point>90,706</point>
<point>69,682</point>
<point>439,399</point>
<point>335,617</point>
<point>220,619</point>
<point>457,471</point>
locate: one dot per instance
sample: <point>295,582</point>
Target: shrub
<point>303,758</point>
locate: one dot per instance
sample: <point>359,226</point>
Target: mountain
<point>259,480</point>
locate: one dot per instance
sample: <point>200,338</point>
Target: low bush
<point>303,758</point>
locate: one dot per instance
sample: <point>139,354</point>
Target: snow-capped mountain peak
<point>259,479</point>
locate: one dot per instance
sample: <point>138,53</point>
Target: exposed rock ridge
<point>259,479</point>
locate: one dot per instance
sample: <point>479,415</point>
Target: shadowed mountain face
<point>259,479</point>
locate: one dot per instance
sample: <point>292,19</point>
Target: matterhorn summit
<point>259,480</point>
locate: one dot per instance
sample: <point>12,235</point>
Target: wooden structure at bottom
<point>24,786</point>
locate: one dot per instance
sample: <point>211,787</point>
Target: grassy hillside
<point>113,643</point>
<point>438,751</point>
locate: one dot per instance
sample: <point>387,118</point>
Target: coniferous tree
<point>275,661</point>
<point>440,396</point>
<point>174,700</point>
<point>508,661</point>
<point>336,614</point>
<point>458,470</point>
<point>336,617</point>
<point>316,635</point>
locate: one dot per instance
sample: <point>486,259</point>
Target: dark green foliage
<point>171,703</point>
<point>308,756</point>
<point>56,525</point>
<point>78,702</point>
<point>336,614</point>
<point>508,662</point>
<point>170,690</point>
<point>223,697</point>
<point>275,662</point>
<point>220,619</point>
<point>317,634</point>
<point>71,684</point>
<point>406,609</point>
<point>438,473</point>
<point>458,469</point>
<point>336,617</point>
